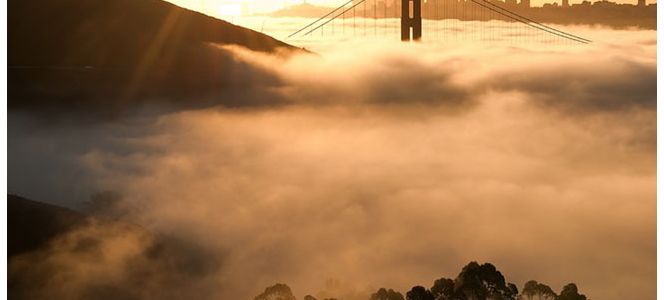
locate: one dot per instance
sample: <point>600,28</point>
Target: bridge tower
<point>411,18</point>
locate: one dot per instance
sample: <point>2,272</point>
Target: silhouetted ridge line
<point>32,224</point>
<point>104,57</point>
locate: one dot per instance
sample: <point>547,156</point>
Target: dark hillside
<point>113,32</point>
<point>30,224</point>
<point>109,56</point>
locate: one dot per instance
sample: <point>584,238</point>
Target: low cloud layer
<point>389,165</point>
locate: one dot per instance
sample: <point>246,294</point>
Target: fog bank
<point>389,165</point>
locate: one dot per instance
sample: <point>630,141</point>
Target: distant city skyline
<point>242,7</point>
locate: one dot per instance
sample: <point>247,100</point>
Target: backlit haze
<point>237,8</point>
<point>384,164</point>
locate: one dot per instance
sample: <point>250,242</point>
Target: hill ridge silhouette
<point>104,57</point>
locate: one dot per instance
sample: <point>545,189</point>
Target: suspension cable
<point>321,18</point>
<point>328,21</point>
<point>530,24</point>
<point>535,22</point>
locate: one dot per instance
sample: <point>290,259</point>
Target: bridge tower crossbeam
<point>411,20</point>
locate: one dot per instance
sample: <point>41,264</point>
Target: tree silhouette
<point>529,290</point>
<point>474,282</point>
<point>278,291</point>
<point>443,289</point>
<point>383,294</point>
<point>571,292</point>
<point>543,292</point>
<point>483,282</point>
<point>419,293</point>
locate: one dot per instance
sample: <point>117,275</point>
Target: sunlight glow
<point>230,9</point>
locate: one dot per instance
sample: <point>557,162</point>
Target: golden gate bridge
<point>417,18</point>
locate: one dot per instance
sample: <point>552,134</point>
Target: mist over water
<point>446,33</point>
<point>383,164</point>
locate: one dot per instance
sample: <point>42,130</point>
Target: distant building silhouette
<point>525,3</point>
<point>597,12</point>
